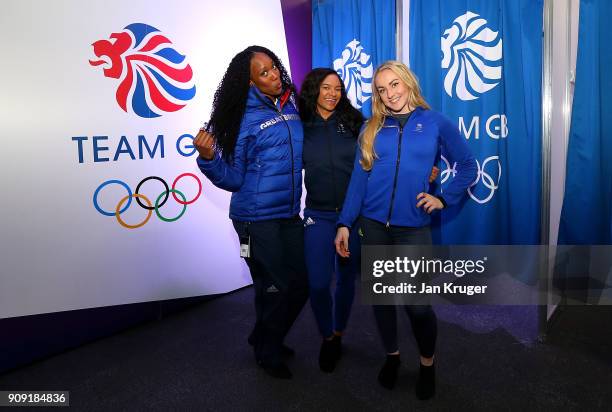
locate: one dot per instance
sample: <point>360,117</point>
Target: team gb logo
<point>154,78</point>
<point>472,53</point>
<point>355,69</point>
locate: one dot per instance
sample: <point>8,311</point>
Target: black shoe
<point>279,371</point>
<point>426,383</point>
<point>388,373</point>
<point>328,355</point>
<point>337,340</point>
<point>285,350</point>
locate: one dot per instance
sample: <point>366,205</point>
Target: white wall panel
<point>58,252</point>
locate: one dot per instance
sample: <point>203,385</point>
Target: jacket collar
<point>392,121</point>
<point>318,119</point>
<point>256,98</point>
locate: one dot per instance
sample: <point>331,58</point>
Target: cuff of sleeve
<point>208,164</point>
<point>444,204</point>
<point>339,225</point>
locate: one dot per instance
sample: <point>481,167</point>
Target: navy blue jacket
<point>265,171</point>
<point>387,193</point>
<point>329,152</point>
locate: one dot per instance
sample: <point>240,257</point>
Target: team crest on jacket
<point>154,78</point>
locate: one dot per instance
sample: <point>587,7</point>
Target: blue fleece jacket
<point>265,171</point>
<point>387,193</point>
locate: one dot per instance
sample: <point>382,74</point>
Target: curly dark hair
<point>230,98</point>
<point>347,114</point>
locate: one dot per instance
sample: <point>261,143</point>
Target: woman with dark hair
<point>252,146</point>
<point>389,191</point>
<point>331,125</point>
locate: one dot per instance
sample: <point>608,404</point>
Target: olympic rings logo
<point>448,171</point>
<point>487,180</point>
<point>125,202</point>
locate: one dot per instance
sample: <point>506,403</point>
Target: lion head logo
<point>472,53</point>
<point>154,77</point>
<point>355,70</point>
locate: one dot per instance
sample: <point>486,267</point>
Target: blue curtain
<point>586,217</point>
<point>480,63</point>
<point>353,37</point>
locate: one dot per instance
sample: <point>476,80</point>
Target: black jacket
<point>328,157</point>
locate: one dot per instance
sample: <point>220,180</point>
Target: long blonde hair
<point>380,111</point>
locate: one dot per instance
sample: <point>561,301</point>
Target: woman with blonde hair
<point>389,193</point>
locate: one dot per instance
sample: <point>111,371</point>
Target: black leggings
<point>423,318</point>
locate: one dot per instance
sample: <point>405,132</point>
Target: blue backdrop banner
<point>586,217</point>
<point>480,63</point>
<point>353,37</point>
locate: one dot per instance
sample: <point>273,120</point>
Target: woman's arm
<point>354,194</point>
<point>457,150</point>
<point>222,174</point>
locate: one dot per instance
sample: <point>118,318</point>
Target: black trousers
<point>422,317</point>
<point>278,270</point>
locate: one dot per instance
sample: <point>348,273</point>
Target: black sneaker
<point>328,355</point>
<point>426,383</point>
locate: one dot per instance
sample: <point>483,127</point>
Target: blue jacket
<point>265,171</point>
<point>401,170</point>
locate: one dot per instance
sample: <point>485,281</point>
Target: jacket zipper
<point>397,162</point>
<point>291,149</point>
<point>333,175</point>
<point>292,162</point>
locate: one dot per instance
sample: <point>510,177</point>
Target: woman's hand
<point>434,174</point>
<point>341,242</point>
<point>428,202</point>
<point>204,143</point>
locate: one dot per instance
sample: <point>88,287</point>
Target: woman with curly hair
<point>389,191</point>
<point>331,125</point>
<point>252,147</point>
